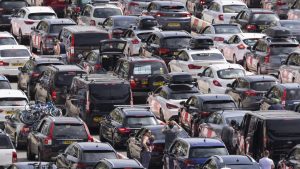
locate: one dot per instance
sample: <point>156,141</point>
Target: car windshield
<point>56,28</point>
<point>159,136</point>
<point>12,4</point>
<point>40,16</point>
<point>283,49</point>
<point>206,152</point>
<point>95,156</point>
<point>106,12</point>
<point>293,94</point>
<point>218,104</point>
<point>13,101</point>
<point>176,42</point>
<point>265,17</point>
<point>262,86</point>
<point>4,84</point>
<point>149,68</point>
<point>8,41</point>
<point>125,22</point>
<point>233,8</point>
<point>250,42</point>
<point>70,131</point>
<point>227,29</point>
<point>140,121</point>
<point>207,56</point>
<point>14,53</point>
<point>230,73</point>
<point>173,8</point>
<point>65,78</point>
<point>283,127</point>
<point>291,25</point>
<point>5,143</point>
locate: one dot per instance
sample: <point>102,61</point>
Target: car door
<point>170,157</point>
<point>294,12</point>
<point>207,31</point>
<point>204,80</point>
<point>62,160</point>
<point>182,155</point>
<point>186,116</point>
<point>147,48</point>
<point>227,49</point>
<point>293,159</point>
<point>183,62</point>
<point>10,126</point>
<point>237,90</point>
<point>243,19</point>
<point>17,21</point>
<point>85,16</point>
<point>290,69</point>
<point>41,35</point>
<point>255,54</point>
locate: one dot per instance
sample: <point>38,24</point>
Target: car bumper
<point>218,90</point>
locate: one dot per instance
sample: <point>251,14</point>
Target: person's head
<point>147,132</point>
<point>232,123</point>
<point>266,153</point>
<point>171,124</point>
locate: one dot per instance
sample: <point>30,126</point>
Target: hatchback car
<point>289,70</point>
<point>118,163</point>
<point>231,161</point>
<point>54,134</point>
<point>7,151</point>
<point>12,100</point>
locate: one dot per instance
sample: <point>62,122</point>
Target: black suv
<point>93,96</point>
<point>54,83</point>
<point>9,7</point>
<point>31,71</point>
<point>268,130</point>
<point>53,135</point>
<point>123,121</point>
<point>144,74</point>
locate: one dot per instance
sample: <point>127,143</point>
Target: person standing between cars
<point>266,162</point>
<point>171,131</point>
<point>147,146</point>
<point>227,136</point>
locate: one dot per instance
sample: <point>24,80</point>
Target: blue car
<point>190,153</point>
<point>231,161</point>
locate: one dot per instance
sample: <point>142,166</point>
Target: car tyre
<point>30,156</point>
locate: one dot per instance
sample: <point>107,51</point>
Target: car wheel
<point>30,156</point>
<point>20,37</point>
<point>101,134</point>
<point>161,115</point>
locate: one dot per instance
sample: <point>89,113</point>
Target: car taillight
<point>2,63</point>
<point>132,84</point>
<point>87,104</point>
<point>133,4</point>
<point>97,66</point>
<point>188,162</point>
<point>241,46</point>
<point>283,98</point>
<point>158,14</point>
<point>251,27</point>
<point>48,139</point>
<point>53,95</point>
<point>35,74</point>
<point>280,3</point>
<point>171,106</point>
<point>221,17</point>
<point>14,157</point>
<point>135,41</point>
<point>163,51</point>
<point>202,2</point>
<point>81,165</point>
<point>186,15</point>
<point>217,83</point>
<point>28,22</point>
<point>219,39</point>
<point>250,93</point>
<point>117,31</point>
<point>192,66</point>
<point>92,23</point>
<point>123,130</point>
<point>158,148</point>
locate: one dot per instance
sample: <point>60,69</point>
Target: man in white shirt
<point>266,162</point>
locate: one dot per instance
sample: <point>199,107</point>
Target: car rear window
<point>5,143</point>
<point>44,66</point>
<point>56,28</point>
<point>262,86</point>
<point>283,127</point>
<point>106,12</point>
<point>14,53</point>
<point>90,39</point>
<point>65,78</point>
<point>227,29</point>
<point>207,56</point>
<point>218,104</point>
<point>125,22</point>
<point>70,131</point>
<point>149,68</point>
<point>250,42</point>
<point>265,17</point>
<point>40,16</point>
<point>293,94</point>
<point>176,42</point>
<point>7,41</point>
<point>109,91</point>
<point>140,121</point>
<point>159,136</point>
<point>4,84</point>
<point>12,4</point>
<point>95,156</point>
<point>230,73</point>
<point>13,101</point>
<point>206,152</point>
<point>175,8</point>
<point>233,8</point>
<point>283,49</point>
<point>291,25</point>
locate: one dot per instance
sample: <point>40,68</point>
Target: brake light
<point>2,63</point>
<point>117,31</point>
<point>241,46</point>
<point>283,98</point>
<point>49,39</point>
<point>48,139</point>
<point>186,15</point>
<point>135,41</point>
<point>97,66</point>
<point>171,106</point>
<point>188,162</point>
<point>35,74</point>
<point>202,2</point>
<point>87,105</point>
<point>14,157</point>
<point>192,66</point>
<point>53,95</point>
<point>158,148</point>
<point>250,93</point>
<point>29,22</point>
<point>133,4</point>
<point>92,23</point>
<point>158,14</point>
<point>251,27</point>
<point>217,83</point>
<point>221,17</point>
<point>132,84</point>
<point>124,130</point>
<point>219,39</point>
<point>72,52</point>
<point>163,51</point>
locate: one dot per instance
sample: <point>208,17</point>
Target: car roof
<point>213,97</point>
<point>276,114</point>
<point>59,21</point>
<point>81,28</point>
<point>8,93</point>
<point>289,85</point>
<point>212,50</point>
<point>168,3</point>
<point>39,9</point>
<point>94,146</point>
<point>142,58</point>
<point>225,66</point>
<point>202,142</point>
<point>165,34</point>
<point>230,2</point>
<point>3,47</point>
<point>5,34</point>
<point>128,111</point>
<point>68,120</point>
<point>67,67</point>
<point>251,35</point>
<point>255,78</point>
<point>236,159</point>
<point>121,163</point>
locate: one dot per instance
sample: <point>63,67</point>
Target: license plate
<point>144,82</point>
<point>17,64</point>
<point>176,53</point>
<point>97,119</point>
<point>262,27</point>
<point>9,112</point>
<point>158,83</point>
<point>173,24</point>
<point>68,142</point>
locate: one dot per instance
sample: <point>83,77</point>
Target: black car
<point>144,74</point>
<point>8,8</point>
<point>165,44</point>
<point>254,19</point>
<point>248,91</point>
<point>32,165</point>
<point>287,95</point>
<point>292,25</point>
<point>92,97</point>
<point>231,161</point>
<point>54,134</point>
<point>118,164</point>
<point>134,144</point>
<point>54,83</point>
<point>123,121</point>
<point>85,155</point>
<point>31,71</point>
<point>42,37</point>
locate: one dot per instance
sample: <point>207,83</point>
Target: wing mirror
<point>229,85</point>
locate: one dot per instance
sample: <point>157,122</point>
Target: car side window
<point>208,73</point>
<point>156,40</point>
<point>124,69</point>
<point>236,40</point>
<point>86,11</point>
<point>231,39</point>
<point>92,58</point>
<point>252,125</point>
<point>193,102</point>
<point>29,66</point>
<point>76,152</point>
<point>102,166</point>
<point>174,148</point>
<point>21,14</point>
<point>211,118</point>
<point>211,165</point>
<point>245,16</point>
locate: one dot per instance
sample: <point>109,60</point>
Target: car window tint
<point>207,56</point>
<point>140,121</point>
<point>40,16</point>
<point>14,53</point>
<point>106,12</point>
<point>262,85</point>
<point>4,85</point>
<point>7,41</point>
<point>5,143</point>
<point>70,131</point>
<point>206,152</point>
<point>95,156</point>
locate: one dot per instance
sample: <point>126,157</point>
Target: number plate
<point>158,83</point>
<point>263,27</point>
<point>173,24</point>
<point>17,64</point>
<point>68,142</point>
<point>144,82</point>
<point>97,119</point>
<point>9,112</point>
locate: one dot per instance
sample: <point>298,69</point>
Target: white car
<point>94,15</point>
<point>8,153</point>
<point>235,47</point>
<point>12,57</point>
<point>221,11</point>
<point>215,78</point>
<point>195,61</point>
<point>12,100</point>
<point>28,17</point>
<point>7,39</point>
